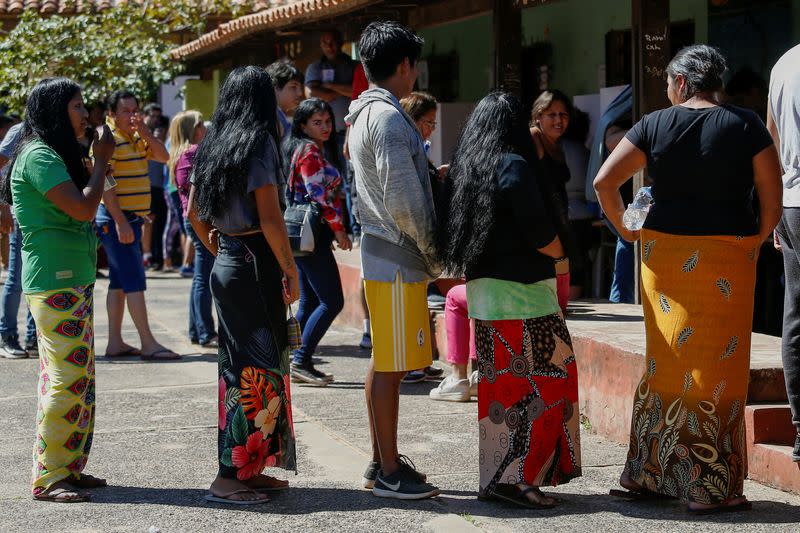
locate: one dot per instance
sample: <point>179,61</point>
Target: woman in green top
<point>55,197</point>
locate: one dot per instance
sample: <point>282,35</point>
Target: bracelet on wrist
<point>560,259</point>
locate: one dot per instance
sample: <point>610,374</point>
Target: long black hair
<point>497,126</point>
<point>47,119</point>
<point>241,128</point>
<point>298,138</point>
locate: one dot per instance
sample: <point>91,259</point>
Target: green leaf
<point>240,429</point>
<point>226,457</point>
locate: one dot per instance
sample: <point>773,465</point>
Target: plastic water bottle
<point>636,213</point>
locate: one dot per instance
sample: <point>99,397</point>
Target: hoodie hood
<point>371,96</point>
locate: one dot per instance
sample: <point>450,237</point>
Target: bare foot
<point>264,482</point>
<point>61,492</point>
<point>86,481</point>
<point>626,482</point>
<point>234,490</point>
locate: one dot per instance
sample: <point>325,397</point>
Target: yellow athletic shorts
<point>400,325</point>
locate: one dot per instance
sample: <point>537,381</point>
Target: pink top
<point>183,170</point>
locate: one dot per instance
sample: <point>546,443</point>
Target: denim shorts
<point>125,262</point>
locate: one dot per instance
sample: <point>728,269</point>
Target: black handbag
<point>303,221</point>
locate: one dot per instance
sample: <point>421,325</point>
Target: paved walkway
<point>156,443</point>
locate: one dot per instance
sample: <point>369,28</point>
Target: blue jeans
<point>201,321</point>
<point>321,299</point>
<point>622,285</point>
<point>12,291</point>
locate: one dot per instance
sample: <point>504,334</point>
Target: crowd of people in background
<point>506,219</point>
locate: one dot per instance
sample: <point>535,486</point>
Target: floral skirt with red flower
<point>65,414</point>
<point>255,409</point>
<point>527,403</point>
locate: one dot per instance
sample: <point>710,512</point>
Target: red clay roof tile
<point>282,14</point>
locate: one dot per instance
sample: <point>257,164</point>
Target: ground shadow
<point>764,512</point>
<point>291,501</point>
<point>346,350</point>
<point>591,316</point>
<point>134,359</point>
<point>329,499</point>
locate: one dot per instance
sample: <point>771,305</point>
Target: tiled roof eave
<point>274,18</point>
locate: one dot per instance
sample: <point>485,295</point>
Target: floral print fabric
<point>315,179</point>
<point>65,414</point>
<point>527,402</point>
<point>255,427</point>
<point>688,430</point>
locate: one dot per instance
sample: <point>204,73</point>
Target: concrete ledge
<point>770,424</point>
<point>772,465</point>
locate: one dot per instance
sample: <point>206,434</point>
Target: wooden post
<point>507,22</point>
<point>651,54</point>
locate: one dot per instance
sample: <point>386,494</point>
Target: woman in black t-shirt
<point>700,246</point>
<point>550,117</point>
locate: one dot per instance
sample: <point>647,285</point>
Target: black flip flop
<point>161,355</point>
<point>744,506</point>
<point>515,495</point>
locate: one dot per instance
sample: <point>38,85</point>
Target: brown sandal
<point>63,495</point>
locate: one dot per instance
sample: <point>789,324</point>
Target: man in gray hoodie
<point>398,244</point>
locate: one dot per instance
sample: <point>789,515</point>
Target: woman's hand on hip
<point>628,235</point>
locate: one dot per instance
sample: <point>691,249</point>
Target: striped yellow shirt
<point>129,166</point>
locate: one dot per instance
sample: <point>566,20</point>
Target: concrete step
<point>770,424</point>
<point>771,464</point>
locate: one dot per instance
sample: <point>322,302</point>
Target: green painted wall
<point>201,96</point>
<point>579,43</point>
<point>473,40</point>
<point>576,30</point>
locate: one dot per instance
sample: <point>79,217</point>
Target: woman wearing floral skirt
<point>55,196</point>
<point>499,234</point>
<point>235,210</point>
<point>700,247</point>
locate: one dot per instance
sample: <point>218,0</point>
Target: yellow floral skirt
<point>65,414</point>
<point>688,432</point>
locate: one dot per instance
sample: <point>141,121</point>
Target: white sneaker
<point>451,389</point>
<point>473,384</point>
